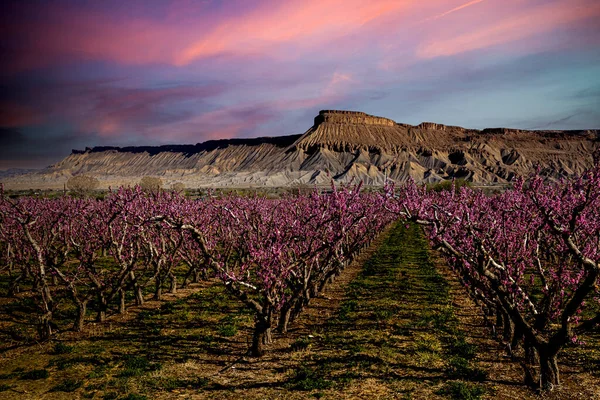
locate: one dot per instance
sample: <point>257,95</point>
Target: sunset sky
<point>87,72</point>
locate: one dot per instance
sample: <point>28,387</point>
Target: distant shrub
<point>151,183</point>
<point>82,185</point>
<point>447,185</point>
<point>178,187</point>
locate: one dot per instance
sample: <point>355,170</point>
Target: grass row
<point>397,329</point>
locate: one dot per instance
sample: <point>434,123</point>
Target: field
<point>394,324</point>
<point>408,292</point>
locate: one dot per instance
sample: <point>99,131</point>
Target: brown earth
<point>376,333</point>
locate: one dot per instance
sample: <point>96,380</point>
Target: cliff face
<point>342,145</point>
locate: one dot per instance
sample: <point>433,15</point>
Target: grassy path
<point>396,335</point>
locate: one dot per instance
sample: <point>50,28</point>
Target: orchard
<point>529,257</point>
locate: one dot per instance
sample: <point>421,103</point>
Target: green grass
<point>227,327</point>
<point>302,343</point>
<point>61,348</point>
<point>460,368</point>
<point>4,387</point>
<point>397,326</point>
<point>65,362</point>
<point>306,378</point>
<point>68,385</point>
<point>462,391</point>
<point>137,365</point>
<point>171,383</point>
<point>134,396</point>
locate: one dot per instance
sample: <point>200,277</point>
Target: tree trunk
<point>184,283</point>
<point>139,296</point>
<point>508,327</point>
<point>44,327</point>
<point>196,276</point>
<point>268,337</point>
<point>102,307</point>
<point>46,296</point>
<point>81,311</point>
<point>516,339</point>
<point>498,323</point>
<point>549,374</point>
<point>528,365</point>
<point>44,323</point>
<point>173,288</point>
<point>14,287</point>
<point>35,284</point>
<point>284,318</point>
<point>260,337</point>
<point>121,301</point>
<point>299,306</point>
<point>158,289</point>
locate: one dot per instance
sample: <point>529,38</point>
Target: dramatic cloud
<point>79,73</point>
<point>518,25</point>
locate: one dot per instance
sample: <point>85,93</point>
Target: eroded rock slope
<point>341,145</point>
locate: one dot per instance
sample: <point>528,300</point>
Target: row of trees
<point>273,255</point>
<point>83,185</point>
<point>529,256</point>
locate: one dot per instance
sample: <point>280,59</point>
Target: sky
<point>87,73</point>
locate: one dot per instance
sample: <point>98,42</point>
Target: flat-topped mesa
<point>440,127</point>
<point>351,117</point>
<point>431,126</point>
<point>349,131</point>
<point>499,131</point>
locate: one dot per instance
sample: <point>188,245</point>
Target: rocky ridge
<point>341,145</point>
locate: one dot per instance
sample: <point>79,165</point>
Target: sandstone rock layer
<point>341,145</point>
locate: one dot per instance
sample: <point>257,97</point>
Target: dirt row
<point>395,324</point>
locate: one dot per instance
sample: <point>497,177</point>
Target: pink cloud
<point>286,30</point>
<point>455,9</point>
<point>521,23</point>
<point>300,22</point>
<point>66,33</point>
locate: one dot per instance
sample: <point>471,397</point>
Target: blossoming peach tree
<point>530,256</point>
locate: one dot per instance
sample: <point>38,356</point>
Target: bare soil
<point>394,325</point>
